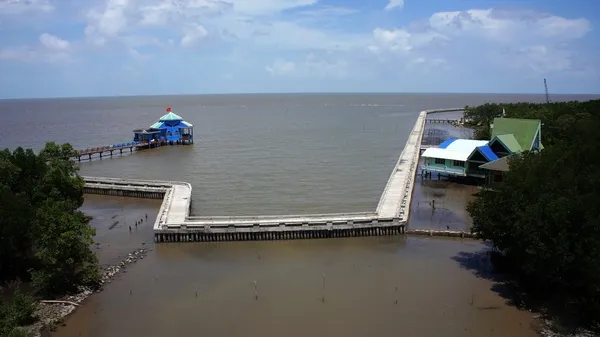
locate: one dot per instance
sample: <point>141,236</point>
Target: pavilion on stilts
<point>170,129</point>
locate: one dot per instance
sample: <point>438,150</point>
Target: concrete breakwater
<point>434,232</point>
<point>174,223</point>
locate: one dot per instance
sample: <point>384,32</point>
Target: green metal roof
<point>170,117</point>
<point>523,130</point>
<point>510,142</point>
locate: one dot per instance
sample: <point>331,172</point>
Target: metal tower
<point>546,88</point>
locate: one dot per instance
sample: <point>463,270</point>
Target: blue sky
<point>65,48</point>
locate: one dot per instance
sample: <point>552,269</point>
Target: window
<point>439,161</point>
<point>497,177</point>
<point>458,163</point>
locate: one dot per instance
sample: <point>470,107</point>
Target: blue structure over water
<point>170,128</point>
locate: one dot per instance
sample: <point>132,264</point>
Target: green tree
<point>43,235</point>
<point>17,311</point>
<point>556,117</point>
<point>544,219</point>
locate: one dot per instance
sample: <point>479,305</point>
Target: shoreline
<point>49,315</point>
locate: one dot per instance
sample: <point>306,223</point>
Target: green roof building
<point>518,134</point>
<point>511,136</point>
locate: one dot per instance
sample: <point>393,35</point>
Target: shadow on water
<point>556,313</point>
<point>484,265</point>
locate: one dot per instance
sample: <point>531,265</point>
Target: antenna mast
<point>546,88</point>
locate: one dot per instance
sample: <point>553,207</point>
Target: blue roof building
<point>454,157</point>
<point>170,128</point>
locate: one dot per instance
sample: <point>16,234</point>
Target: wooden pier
<point>175,224</point>
<point>109,150</point>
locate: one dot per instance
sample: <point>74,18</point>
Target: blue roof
<point>446,143</point>
<point>487,152</point>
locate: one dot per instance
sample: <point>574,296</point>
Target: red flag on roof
<point>168,109</point>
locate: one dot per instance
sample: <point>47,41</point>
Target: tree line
<point>44,238</point>
<point>544,220</point>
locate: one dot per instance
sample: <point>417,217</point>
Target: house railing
<point>443,169</point>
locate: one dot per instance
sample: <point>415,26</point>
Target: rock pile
<point>110,272</point>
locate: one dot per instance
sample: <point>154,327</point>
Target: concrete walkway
<point>390,216</point>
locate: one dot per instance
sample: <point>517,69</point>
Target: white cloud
<point>136,55</point>
<point>108,21</point>
<point>267,7</point>
<point>34,54</point>
<point>538,58</point>
<point>539,41</point>
<point>403,41</point>
<point>514,28</point>
<point>311,66</point>
<point>327,11</point>
<point>397,40</point>
<point>515,39</point>
<point>163,12</point>
<point>255,21</point>
<point>192,35</point>
<point>54,42</point>
<point>50,49</point>
<point>508,26</point>
<point>12,7</point>
<point>281,67</point>
<point>394,4</point>
<point>429,63</point>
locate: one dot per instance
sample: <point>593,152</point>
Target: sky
<point>71,48</point>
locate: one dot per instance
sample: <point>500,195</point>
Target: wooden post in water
<point>255,291</point>
<point>323,299</point>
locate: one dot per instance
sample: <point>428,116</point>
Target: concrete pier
<point>175,224</point>
<point>395,199</point>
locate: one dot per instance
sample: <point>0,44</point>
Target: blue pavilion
<point>170,128</point>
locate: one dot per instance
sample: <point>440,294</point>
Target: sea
<point>276,154</point>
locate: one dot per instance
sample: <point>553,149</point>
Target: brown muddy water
<point>373,286</point>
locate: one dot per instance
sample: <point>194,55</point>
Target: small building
<point>511,136</point>
<point>452,157</point>
<point>527,133</point>
<point>169,128</point>
<point>146,135</point>
<point>485,159</point>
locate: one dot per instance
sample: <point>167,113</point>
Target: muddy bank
<point>116,246</point>
<point>112,217</point>
<point>441,205</point>
<point>52,312</point>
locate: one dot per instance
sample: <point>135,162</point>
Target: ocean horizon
<point>561,96</point>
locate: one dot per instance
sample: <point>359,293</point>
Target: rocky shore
<point>549,329</point>
<point>51,314</point>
